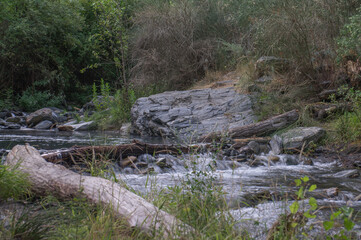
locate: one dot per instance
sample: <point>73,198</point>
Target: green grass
<point>13,183</point>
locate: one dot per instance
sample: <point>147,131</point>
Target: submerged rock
<point>332,192</point>
<point>162,163</point>
<point>65,128</point>
<point>254,146</point>
<point>347,174</point>
<point>291,160</point>
<point>12,126</point>
<point>14,119</point>
<point>44,125</point>
<point>82,126</point>
<point>146,158</point>
<point>129,161</point>
<point>191,113</point>
<point>273,158</point>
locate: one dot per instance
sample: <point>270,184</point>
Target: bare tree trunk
<point>257,129</point>
<point>48,178</point>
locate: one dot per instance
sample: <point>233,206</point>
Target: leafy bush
<point>349,45</point>
<point>348,125</point>
<point>33,100</point>
<point>43,44</point>
<point>6,100</point>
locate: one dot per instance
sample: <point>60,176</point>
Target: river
<point>243,184</point>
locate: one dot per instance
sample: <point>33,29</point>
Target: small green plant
<point>348,124</point>
<point>13,183</point>
<point>103,101</point>
<point>113,108</point>
<point>6,99</point>
<point>344,213</point>
<point>294,224</point>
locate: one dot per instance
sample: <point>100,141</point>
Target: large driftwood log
<point>118,152</point>
<point>49,178</point>
<point>257,129</point>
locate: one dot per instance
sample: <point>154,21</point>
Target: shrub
<point>348,125</point>
<point>303,31</point>
<point>112,111</point>
<point>176,42</point>
<point>33,100</point>
<point>349,45</point>
<point>6,100</point>
<point>349,48</point>
<point>44,45</point>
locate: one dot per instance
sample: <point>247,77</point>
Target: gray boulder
<point>44,125</point>
<point>295,138</point>
<point>14,119</point>
<point>191,113</point>
<point>40,115</point>
<point>5,114</point>
<point>82,126</point>
<point>2,122</point>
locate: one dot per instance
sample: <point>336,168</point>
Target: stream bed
<point>254,194</point>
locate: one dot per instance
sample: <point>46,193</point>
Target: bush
<point>33,100</point>
<point>348,125</point>
<point>304,31</point>
<point>176,42</point>
<point>43,44</point>
<point>349,48</point>
<point>112,111</point>
<point>349,45</point>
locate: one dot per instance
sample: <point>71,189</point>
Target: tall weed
<point>13,183</point>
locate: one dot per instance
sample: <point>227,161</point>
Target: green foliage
<point>13,184</point>
<point>348,125</point>
<point>295,223</point>
<point>113,110</point>
<point>32,100</point>
<point>110,40</point>
<point>49,218</point>
<point>344,213</point>
<point>349,45</point>
<point>200,203</point>
<point>6,99</point>
<point>42,42</point>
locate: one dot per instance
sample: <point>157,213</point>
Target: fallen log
<point>48,178</point>
<point>119,152</point>
<point>258,129</point>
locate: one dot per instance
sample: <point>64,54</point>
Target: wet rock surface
<point>296,139</point>
<point>193,112</point>
<point>40,115</point>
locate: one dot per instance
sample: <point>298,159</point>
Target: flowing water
<point>254,193</point>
